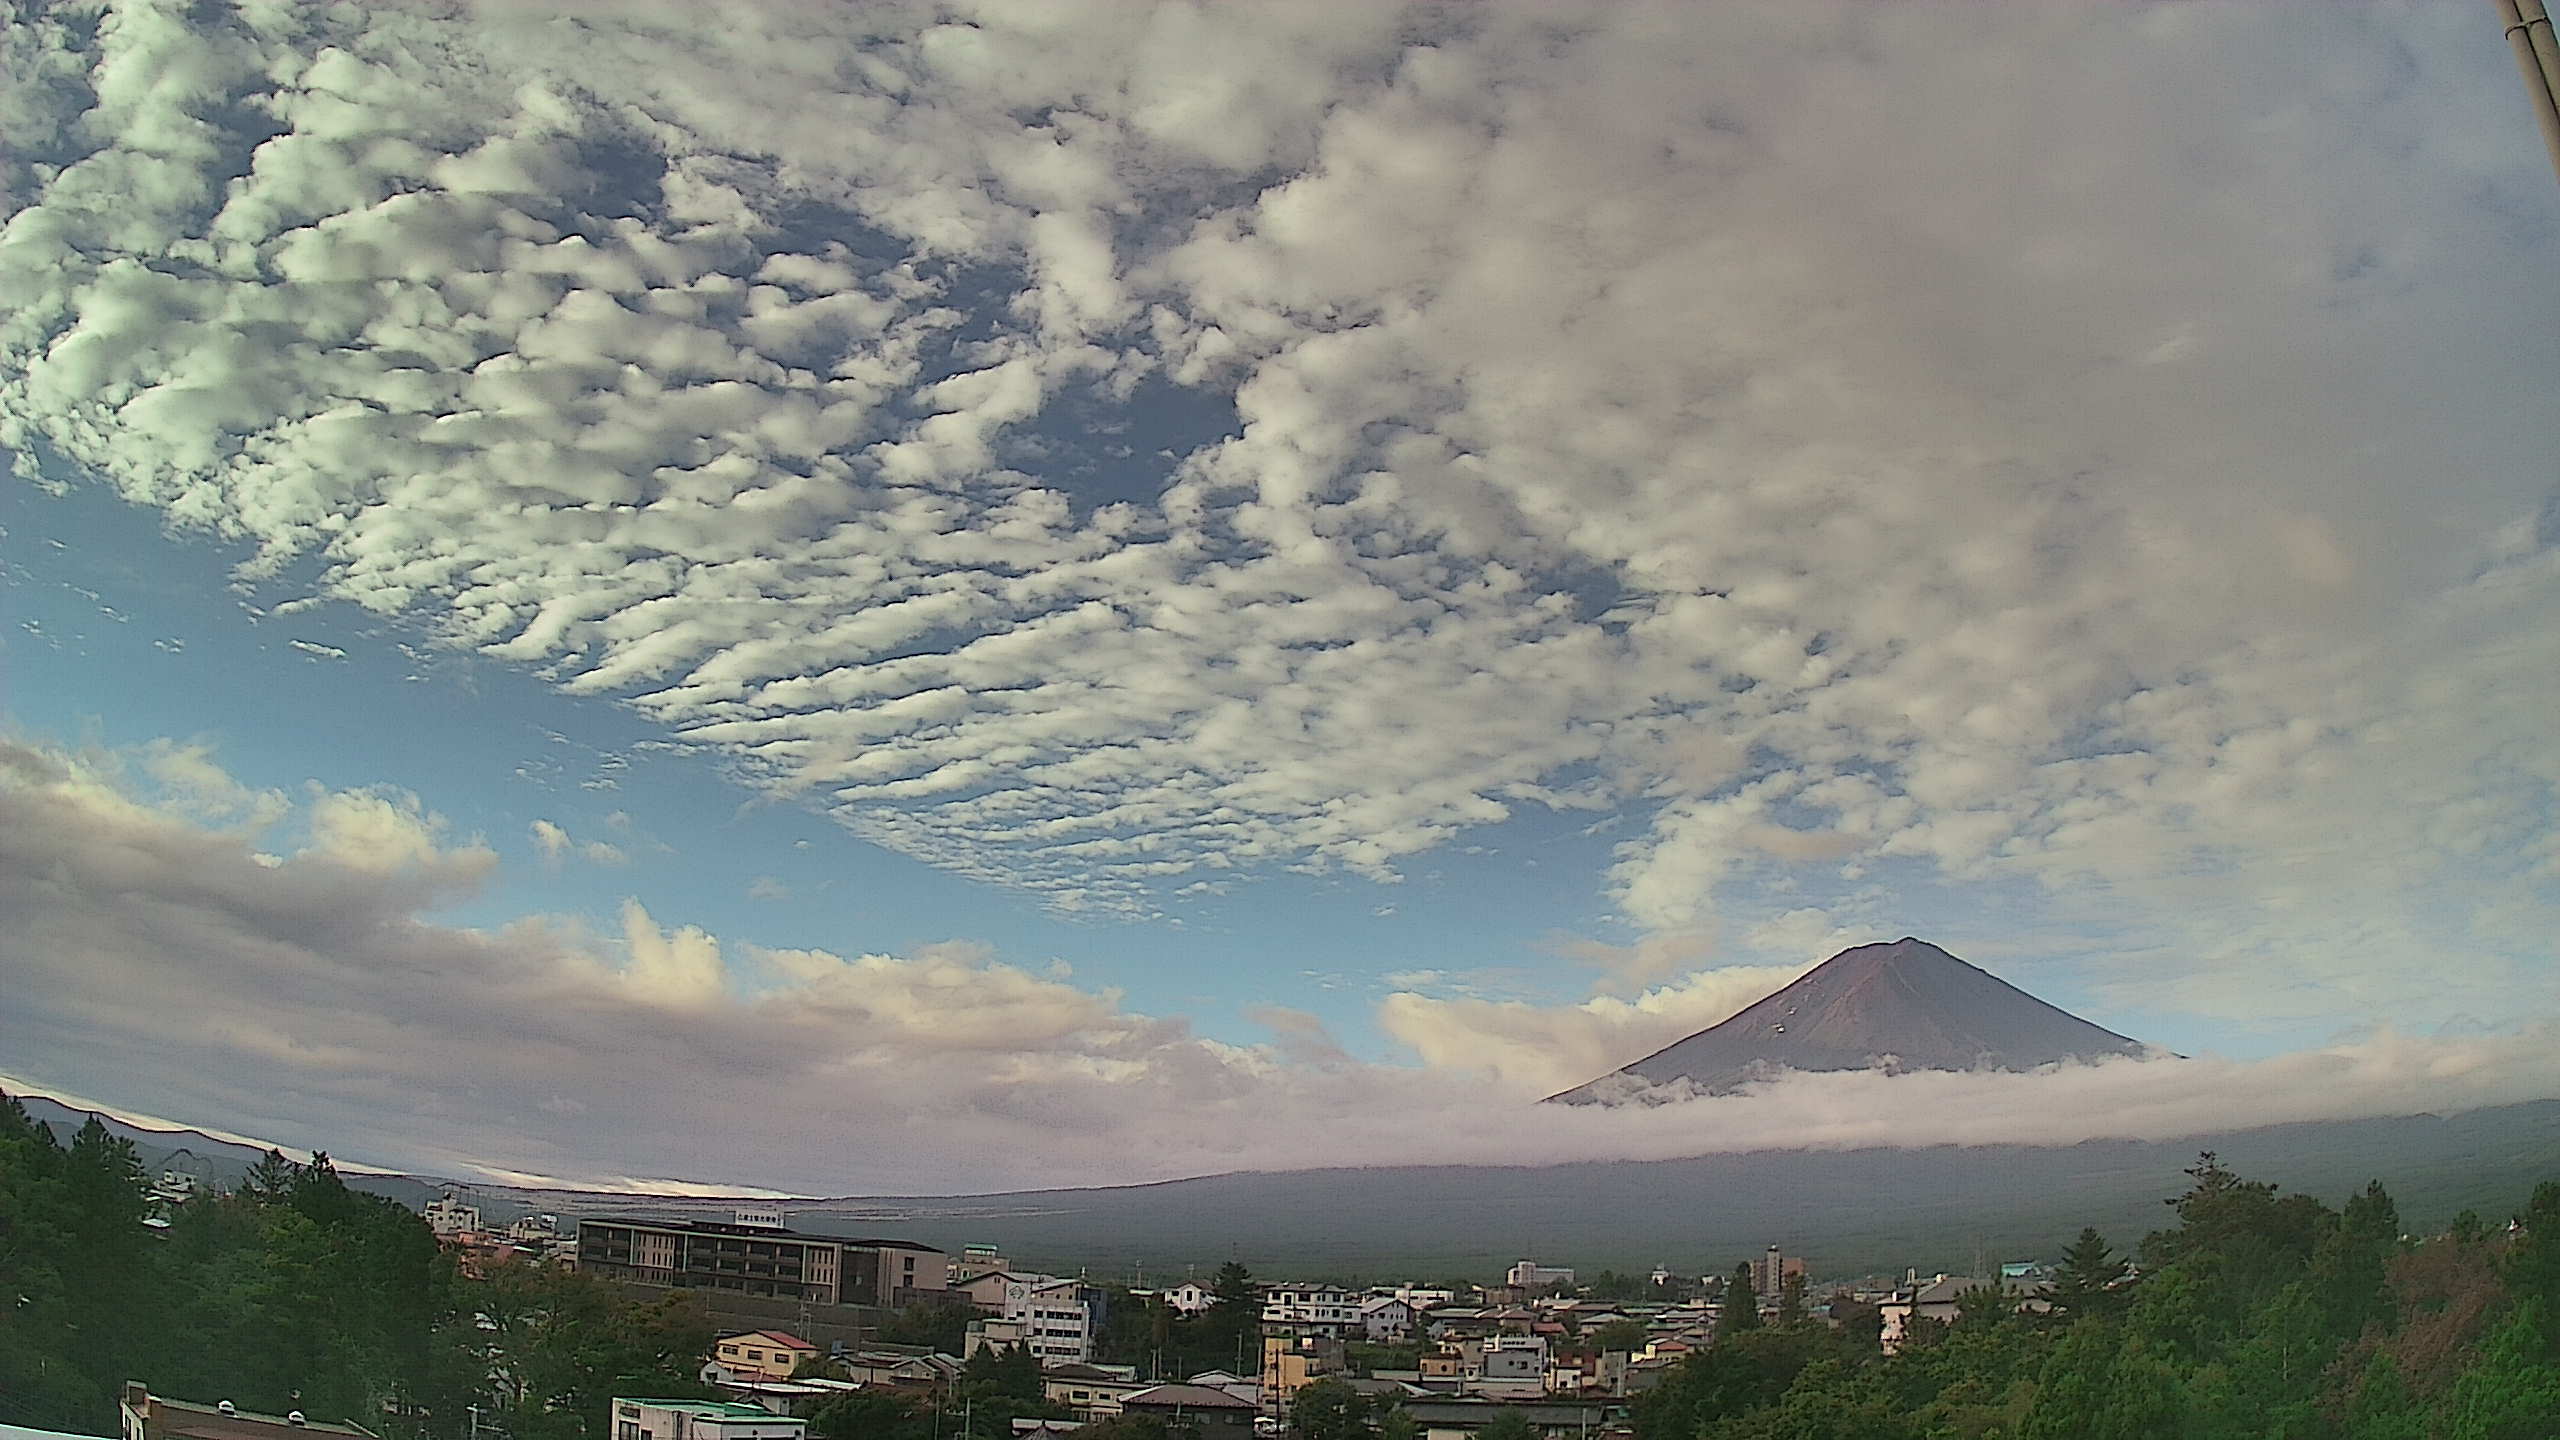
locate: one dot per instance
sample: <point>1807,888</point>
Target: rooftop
<point>165,1416</point>
<point>722,1409</point>
<point>1189,1397</point>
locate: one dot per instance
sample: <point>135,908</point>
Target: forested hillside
<point>296,1292</point>
<point>2256,1315</point>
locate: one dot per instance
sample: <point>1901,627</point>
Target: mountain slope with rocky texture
<point>1907,1005</point>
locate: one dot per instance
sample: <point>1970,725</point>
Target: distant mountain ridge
<point>1852,1210</point>
<point>1906,1005</point>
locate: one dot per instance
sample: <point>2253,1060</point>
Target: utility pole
<point>2538,56</point>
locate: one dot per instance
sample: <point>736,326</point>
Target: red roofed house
<point>762,1354</point>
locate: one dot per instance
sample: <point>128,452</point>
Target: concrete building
<point>1311,1307</point>
<point>1290,1363</point>
<point>640,1419</point>
<point>1769,1273</point>
<point>761,1354</point>
<point>146,1416</point>
<point>759,1259</point>
<point>451,1215</point>
<point>1510,1367</point>
<point>1531,1276</point>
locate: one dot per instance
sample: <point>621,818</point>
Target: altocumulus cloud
<point>2070,447</point>
<point>307,997</point>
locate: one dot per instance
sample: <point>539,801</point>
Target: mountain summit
<point>1904,1006</point>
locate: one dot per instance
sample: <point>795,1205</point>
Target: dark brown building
<point>763,1260</point>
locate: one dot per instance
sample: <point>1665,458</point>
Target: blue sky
<point>1140,580</point>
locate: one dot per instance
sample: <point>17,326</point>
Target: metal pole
<point>2538,56</point>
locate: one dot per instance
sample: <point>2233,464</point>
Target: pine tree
<point>2082,1282</point>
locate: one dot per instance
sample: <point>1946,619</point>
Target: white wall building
<point>1326,1307</point>
<point>1508,1366</point>
<point>701,1420</point>
<point>1190,1297</point>
<point>1530,1275</point>
<point>448,1215</point>
<point>1048,1315</point>
<point>1384,1317</point>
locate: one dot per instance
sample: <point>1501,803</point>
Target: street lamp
<point>2538,55</point>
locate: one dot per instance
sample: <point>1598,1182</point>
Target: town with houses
<point>802,1312</point>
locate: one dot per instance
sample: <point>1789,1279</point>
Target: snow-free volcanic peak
<point>1907,1005</point>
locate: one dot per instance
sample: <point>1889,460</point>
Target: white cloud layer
<point>2087,447</point>
<point>151,953</point>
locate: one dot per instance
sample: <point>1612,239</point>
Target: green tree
<point>2382,1407</point>
<point>1628,1336</point>
<point>1508,1425</point>
<point>942,1324</point>
<point>2084,1283</point>
<point>868,1415</point>
<point>1791,1309</point>
<point>2532,1269</point>
<point>1330,1410</point>
<point>2098,1386</point>
<point>2513,1393</point>
<point>1741,1303</point>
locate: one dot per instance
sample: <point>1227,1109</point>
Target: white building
<point>701,1420</point>
<point>1384,1317</point>
<point>1048,1315</point>
<point>447,1215</point>
<point>1190,1297</point>
<point>1311,1307</point>
<point>1530,1275</point>
<point>1507,1366</point>
<point>1423,1297</point>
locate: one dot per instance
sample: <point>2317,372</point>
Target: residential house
<point>1190,1297</point>
<point>1936,1299</point>
<point>759,1259</point>
<point>1384,1317</point>
<point>905,1368</point>
<point>799,1399</point>
<point>1208,1413</point>
<point>146,1416</point>
<point>1459,1417</point>
<point>1242,1387</point>
<point>1094,1392</point>
<point>761,1354</point>
<point>642,1419</point>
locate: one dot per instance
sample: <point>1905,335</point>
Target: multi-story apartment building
<point>1769,1273</point>
<point>1053,1318</point>
<point>1309,1308</point>
<point>760,1259</point>
<point>1290,1363</point>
